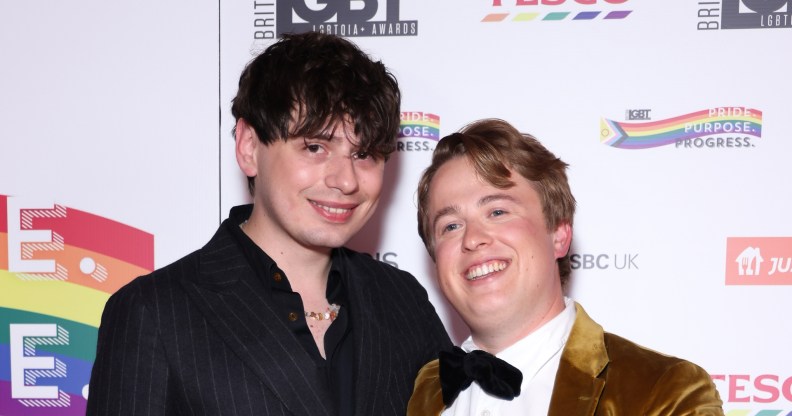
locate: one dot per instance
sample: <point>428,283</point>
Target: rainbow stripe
<point>556,16</point>
<point>94,257</point>
<point>709,122</point>
<point>419,124</point>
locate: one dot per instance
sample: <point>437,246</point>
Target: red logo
<point>759,261</point>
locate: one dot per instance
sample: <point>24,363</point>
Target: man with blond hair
<point>495,212</point>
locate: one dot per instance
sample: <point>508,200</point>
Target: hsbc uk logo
<point>759,261</point>
<point>744,14</point>
<point>603,261</point>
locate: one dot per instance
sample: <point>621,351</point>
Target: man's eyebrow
<point>495,197</point>
<point>448,210</point>
<point>453,209</point>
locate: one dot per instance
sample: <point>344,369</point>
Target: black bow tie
<point>459,369</point>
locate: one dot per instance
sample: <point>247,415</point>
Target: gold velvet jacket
<point>604,374</point>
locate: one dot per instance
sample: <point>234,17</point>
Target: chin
<point>328,239</point>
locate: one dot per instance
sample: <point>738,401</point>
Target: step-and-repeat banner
<point>116,158</point>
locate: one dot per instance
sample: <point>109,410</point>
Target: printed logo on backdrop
<point>271,19</point>
<point>711,128</point>
<point>755,394</point>
<point>58,266</point>
<point>555,10</point>
<point>388,257</point>
<point>604,261</point>
<point>418,132</point>
<point>744,14</point>
<point>759,261</point>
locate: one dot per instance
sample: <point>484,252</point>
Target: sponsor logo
<point>555,10</point>
<point>58,266</point>
<point>744,14</point>
<point>388,257</point>
<point>638,114</point>
<point>718,127</point>
<point>418,131</point>
<point>626,261</point>
<point>741,391</point>
<point>272,19</point>
<point>759,261</point>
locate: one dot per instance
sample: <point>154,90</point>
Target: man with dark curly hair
<point>274,316</point>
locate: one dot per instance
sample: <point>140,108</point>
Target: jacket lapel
<point>233,301</point>
<point>373,351</point>
<point>578,386</point>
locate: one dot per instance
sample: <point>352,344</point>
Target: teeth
<point>485,269</point>
<point>334,211</point>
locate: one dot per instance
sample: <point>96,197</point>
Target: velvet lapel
<point>578,386</point>
<point>232,300</point>
<point>373,349</point>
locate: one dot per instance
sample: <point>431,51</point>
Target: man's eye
<point>498,212</point>
<point>313,148</point>
<point>450,227</point>
<point>362,155</point>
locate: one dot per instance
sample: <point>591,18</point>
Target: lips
<point>334,212</point>
<point>483,270</point>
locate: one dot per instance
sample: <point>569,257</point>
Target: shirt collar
<point>533,351</point>
<point>262,262</point>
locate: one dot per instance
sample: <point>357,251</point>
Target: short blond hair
<point>494,147</point>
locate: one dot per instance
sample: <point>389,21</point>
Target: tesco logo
<point>743,388</point>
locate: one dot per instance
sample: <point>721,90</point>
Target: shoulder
<point>219,253</point>
<point>624,353</point>
<point>622,350</point>
<point>358,260</point>
<point>363,267</point>
<point>383,281</point>
<point>160,283</point>
<point>666,380</point>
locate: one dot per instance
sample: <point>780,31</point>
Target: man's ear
<point>562,238</point>
<point>247,142</point>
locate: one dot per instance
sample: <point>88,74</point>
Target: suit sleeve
<point>130,373</point>
<point>685,389</point>
<point>430,328</point>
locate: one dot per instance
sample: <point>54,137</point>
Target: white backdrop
<point>122,111</point>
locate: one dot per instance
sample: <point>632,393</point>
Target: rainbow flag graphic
<point>720,121</point>
<point>419,124</point>
<point>58,267</point>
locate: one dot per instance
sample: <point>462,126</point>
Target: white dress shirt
<point>537,356</point>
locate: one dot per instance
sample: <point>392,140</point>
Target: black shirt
<point>339,365</point>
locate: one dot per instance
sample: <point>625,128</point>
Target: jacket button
<point>292,316</point>
<point>277,276</point>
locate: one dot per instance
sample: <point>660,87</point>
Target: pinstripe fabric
<point>199,338</point>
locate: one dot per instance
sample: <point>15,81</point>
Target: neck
<point>494,339</point>
<point>306,267</point>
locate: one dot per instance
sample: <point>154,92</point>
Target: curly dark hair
<point>304,84</point>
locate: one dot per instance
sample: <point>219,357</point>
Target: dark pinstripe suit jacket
<point>198,338</point>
